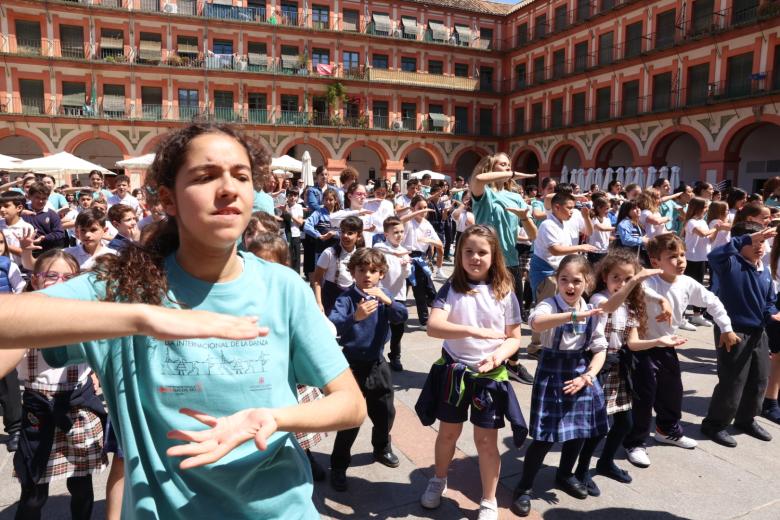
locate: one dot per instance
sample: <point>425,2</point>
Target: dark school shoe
<point>12,444</point>
<point>754,430</point>
<point>317,471</point>
<point>395,365</point>
<point>721,437</point>
<point>572,486</point>
<point>772,413</point>
<point>388,458</point>
<point>613,472</point>
<point>338,479</point>
<point>520,374</point>
<point>590,486</point>
<point>521,506</point>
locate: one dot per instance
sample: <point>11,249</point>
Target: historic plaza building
<point>404,85</point>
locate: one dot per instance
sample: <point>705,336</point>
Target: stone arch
<point>615,150</point>
<point>77,140</point>
<point>760,139</point>
<point>466,159</point>
<point>527,160</point>
<point>664,140</point>
<point>315,144</point>
<point>368,162</point>
<point>431,150</point>
<point>566,153</point>
<point>152,142</point>
<point>22,145</point>
<point>681,146</point>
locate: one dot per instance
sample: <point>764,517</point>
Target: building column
<point>335,167</point>
<point>716,170</point>
<point>392,171</point>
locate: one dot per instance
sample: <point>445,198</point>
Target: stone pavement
<point>705,483</point>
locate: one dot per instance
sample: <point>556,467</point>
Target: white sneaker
<point>680,441</point>
<point>686,325</point>
<point>488,510</point>
<point>431,499</point>
<point>638,457</point>
<point>439,275</point>
<point>698,319</point>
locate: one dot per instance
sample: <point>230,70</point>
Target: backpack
<point>5,282</point>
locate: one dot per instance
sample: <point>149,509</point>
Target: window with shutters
<point>257,103</point>
<point>537,117</point>
<point>409,116</point>
<point>380,112</point>
<point>559,63</point>
<point>350,61</point>
<point>662,91</point>
<point>578,108</point>
<point>257,56</point>
<point>350,20</point>
<point>606,42</point>
<point>112,44</point>
<point>114,100</point>
<point>630,98</point>
<point>151,102</point>
<point>72,41</point>
<point>486,37</point>
<point>664,29</point>
<point>187,47</point>
<point>188,103</point>
<point>28,37</point>
<point>603,103</point>
<point>519,120</point>
<point>380,61</point>
<point>461,120</point>
<point>633,40</point>
<point>698,83</point>
<point>521,75</point>
<point>486,121</point>
<point>289,58</point>
<point>556,113</point>
<point>319,57</point>
<point>31,93</point>
<point>540,27</point>
<point>435,67</point>
<point>739,70</point>
<point>436,119</point>
<point>581,57</point>
<point>409,27</point>
<point>74,98</point>
<point>560,19</point>
<point>150,49</point>
<point>539,70</point>
<point>522,34</point>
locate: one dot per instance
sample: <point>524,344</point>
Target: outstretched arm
<point>64,323</point>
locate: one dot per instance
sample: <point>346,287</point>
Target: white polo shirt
<point>551,232</point>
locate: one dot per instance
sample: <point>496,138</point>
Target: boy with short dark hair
<point>746,289</point>
<point>122,195</point>
<point>46,222</point>
<point>362,316</point>
<point>293,217</point>
<point>12,225</point>
<point>90,229</point>
<point>124,219</point>
<point>657,380</point>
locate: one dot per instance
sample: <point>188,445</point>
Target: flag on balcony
<point>324,69</point>
<point>93,97</point>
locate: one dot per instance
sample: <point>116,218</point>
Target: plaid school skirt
<point>307,394</point>
<point>557,417</point>
<point>77,452</point>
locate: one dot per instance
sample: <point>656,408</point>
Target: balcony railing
<point>227,12</point>
<point>150,5</point>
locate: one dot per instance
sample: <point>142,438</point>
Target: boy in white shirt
<point>122,196</point>
<point>294,211</point>
<point>399,266</point>
<point>11,224</point>
<point>657,379</point>
<point>90,229</point>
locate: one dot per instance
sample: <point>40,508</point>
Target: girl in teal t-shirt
<point>165,370</point>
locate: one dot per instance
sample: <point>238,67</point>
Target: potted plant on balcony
<point>302,70</point>
<point>336,96</point>
<point>175,60</point>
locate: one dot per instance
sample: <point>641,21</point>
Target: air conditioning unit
<point>171,8</point>
<point>398,125</point>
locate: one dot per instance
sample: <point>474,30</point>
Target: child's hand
<point>28,241</point>
<point>671,341</point>
<point>586,248</point>
<point>597,311</point>
<point>328,235</point>
<point>365,309</point>
<point>488,364</point>
<point>572,386</point>
<point>364,212</point>
<point>480,333</point>
<point>763,235</point>
<point>379,294</point>
<point>644,274</point>
<point>666,311</point>
<point>728,340</point>
<point>521,213</point>
<point>225,434</point>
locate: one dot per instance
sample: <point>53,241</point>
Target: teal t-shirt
<point>669,209</point>
<point>537,205</point>
<point>146,381</point>
<point>489,210</point>
<point>57,201</point>
<point>263,202</point>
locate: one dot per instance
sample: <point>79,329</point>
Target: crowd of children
<point>603,280</point>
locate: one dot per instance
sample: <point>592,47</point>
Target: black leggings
<point>696,270</point>
<point>534,457</point>
<point>622,423</point>
<point>396,333</point>
<point>82,499</point>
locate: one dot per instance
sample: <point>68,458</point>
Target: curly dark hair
<point>137,274</point>
<point>635,301</point>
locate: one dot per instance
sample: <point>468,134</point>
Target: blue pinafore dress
<point>555,416</point>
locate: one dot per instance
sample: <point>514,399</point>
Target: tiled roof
<point>479,6</point>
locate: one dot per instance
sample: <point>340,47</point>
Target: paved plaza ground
<point>709,482</point>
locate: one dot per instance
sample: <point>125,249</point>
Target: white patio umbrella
<point>607,179</point>
<point>282,173</point>
<point>137,163</point>
<point>8,162</point>
<point>564,174</point>
<point>639,172</point>
<point>621,175</point>
<point>434,175</point>
<point>286,163</point>
<point>306,171</point>
<point>62,163</point>
<point>651,171</point>
<point>675,177</point>
<point>599,178</point>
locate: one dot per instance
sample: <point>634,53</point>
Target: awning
<point>150,50</point>
<point>257,59</point>
<point>350,23</point>
<point>438,31</point>
<point>110,42</point>
<point>187,47</point>
<point>289,61</point>
<point>438,120</point>
<point>113,103</point>
<point>409,26</point>
<point>381,22</point>
<point>76,97</point>
<point>464,33</point>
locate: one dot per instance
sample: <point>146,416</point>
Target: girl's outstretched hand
<point>644,274</point>
<point>597,311</point>
<point>224,435</point>
<point>480,333</point>
<point>671,341</point>
<point>169,324</point>
<point>572,386</point>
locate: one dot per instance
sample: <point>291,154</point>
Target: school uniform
<point>422,285</point>
<point>555,416</point>
<point>749,297</point>
<point>337,278</point>
<point>394,283</point>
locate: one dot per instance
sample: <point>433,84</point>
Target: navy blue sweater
<point>48,224</point>
<point>364,340</point>
<point>747,293</point>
